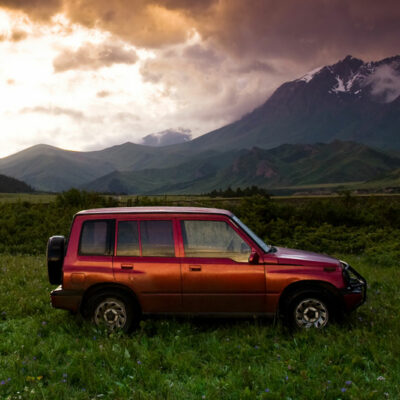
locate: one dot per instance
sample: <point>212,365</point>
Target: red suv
<point>120,263</point>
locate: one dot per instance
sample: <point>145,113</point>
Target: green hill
<point>12,185</point>
<point>286,165</point>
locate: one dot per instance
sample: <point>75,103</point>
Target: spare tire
<point>55,259</point>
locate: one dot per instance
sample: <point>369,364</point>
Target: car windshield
<point>260,242</point>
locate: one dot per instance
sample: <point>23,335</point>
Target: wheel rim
<point>311,313</point>
<point>111,313</point>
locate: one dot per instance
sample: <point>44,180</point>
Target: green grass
<point>50,354</point>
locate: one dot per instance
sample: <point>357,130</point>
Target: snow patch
<point>340,87</point>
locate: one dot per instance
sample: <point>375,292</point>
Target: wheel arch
<point>328,290</point>
<point>106,286</point>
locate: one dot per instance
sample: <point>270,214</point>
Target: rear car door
<point>216,274</point>
<point>145,260</point>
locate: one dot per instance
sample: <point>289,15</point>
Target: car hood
<point>300,257</point>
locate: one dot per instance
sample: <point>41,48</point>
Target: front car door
<point>216,274</point>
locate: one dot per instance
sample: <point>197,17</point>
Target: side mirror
<point>254,258</point>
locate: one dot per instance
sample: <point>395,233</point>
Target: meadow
<point>47,353</point>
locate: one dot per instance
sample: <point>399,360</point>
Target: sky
<point>89,74</point>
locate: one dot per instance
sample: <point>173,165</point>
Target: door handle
<point>194,267</point>
<point>126,266</point>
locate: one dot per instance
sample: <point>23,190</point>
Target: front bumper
<point>355,292</point>
<point>66,299</point>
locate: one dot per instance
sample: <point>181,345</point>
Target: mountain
<point>49,168</point>
<point>350,100</point>
<point>11,185</point>
<point>287,165</point>
<point>347,101</point>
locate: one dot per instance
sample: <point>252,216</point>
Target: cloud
<point>167,137</point>
<point>74,114</point>
<point>385,83</point>
<point>103,93</point>
<point>37,9</point>
<point>14,36</point>
<point>126,117</point>
<point>90,57</point>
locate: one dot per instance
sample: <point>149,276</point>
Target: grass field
<point>50,354</point>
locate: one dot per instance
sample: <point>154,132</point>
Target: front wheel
<point>309,311</point>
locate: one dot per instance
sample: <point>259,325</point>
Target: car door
<point>145,260</point>
<point>216,274</point>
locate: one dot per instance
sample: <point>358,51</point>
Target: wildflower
<point>8,379</point>
<point>139,362</point>
<point>44,323</point>
<point>266,390</point>
<point>94,338</point>
<point>286,378</point>
<point>65,375</point>
<point>2,382</point>
<point>64,381</point>
<point>348,383</point>
<point>256,347</point>
<point>380,378</point>
<point>343,390</point>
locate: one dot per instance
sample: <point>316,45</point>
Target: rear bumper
<point>66,299</point>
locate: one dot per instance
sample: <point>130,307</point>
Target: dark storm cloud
<point>288,29</point>
<point>37,9</point>
<point>90,56</point>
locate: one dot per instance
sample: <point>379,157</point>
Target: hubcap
<point>311,313</point>
<point>112,313</point>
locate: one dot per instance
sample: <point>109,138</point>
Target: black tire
<point>307,310</point>
<point>114,310</point>
<point>55,259</point>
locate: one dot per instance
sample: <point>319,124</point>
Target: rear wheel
<point>114,311</point>
<point>309,310</point>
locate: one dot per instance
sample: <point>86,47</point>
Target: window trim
<point>110,238</point>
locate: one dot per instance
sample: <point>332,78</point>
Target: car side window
<point>157,238</point>
<point>128,239</point>
<point>215,239</point>
<point>96,238</point>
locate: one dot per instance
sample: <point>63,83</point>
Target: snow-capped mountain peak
<point>352,76</point>
<point>310,75</point>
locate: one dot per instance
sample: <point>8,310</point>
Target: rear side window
<point>96,238</point>
<point>215,239</point>
<point>145,238</point>
<point>128,239</point>
<point>157,238</point>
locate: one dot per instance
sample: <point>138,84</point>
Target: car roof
<point>156,210</point>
